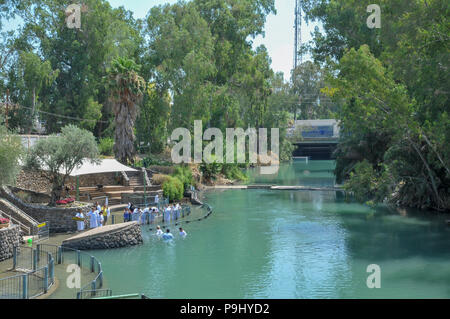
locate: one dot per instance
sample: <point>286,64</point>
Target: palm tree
<point>127,89</point>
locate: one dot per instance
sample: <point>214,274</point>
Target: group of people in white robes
<point>172,212</point>
<point>97,217</point>
<point>168,235</point>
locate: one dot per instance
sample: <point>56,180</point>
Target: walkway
<point>274,187</point>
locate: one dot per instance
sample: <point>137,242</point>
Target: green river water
<point>289,244</point>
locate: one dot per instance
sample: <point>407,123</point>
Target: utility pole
<point>298,59</point>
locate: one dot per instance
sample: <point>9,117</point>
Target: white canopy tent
<point>105,166</point>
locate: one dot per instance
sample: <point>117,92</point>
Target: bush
<point>210,171</point>
<point>173,188</point>
<point>233,172</point>
<point>153,160</point>
<point>159,179</point>
<point>184,174</point>
<point>106,146</point>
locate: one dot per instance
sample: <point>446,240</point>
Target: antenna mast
<point>298,34</point>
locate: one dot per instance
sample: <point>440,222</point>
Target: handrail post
<point>52,269</point>
<point>45,279</point>
<point>25,286</point>
<point>14,257</point>
<point>38,248</point>
<point>92,264</point>
<point>79,258</point>
<point>93,288</point>
<point>35,259</point>
<point>59,255</point>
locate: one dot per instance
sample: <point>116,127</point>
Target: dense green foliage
<point>61,154</point>
<point>11,151</point>
<point>392,85</point>
<point>195,57</point>
<point>106,146</point>
<point>184,174</point>
<point>173,188</point>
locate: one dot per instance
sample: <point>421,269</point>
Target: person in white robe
<point>144,214</point>
<point>159,232</point>
<point>183,233</point>
<point>93,219</point>
<point>168,211</point>
<point>80,223</point>
<point>101,219</point>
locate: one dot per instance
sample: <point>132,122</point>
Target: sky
<point>279,30</point>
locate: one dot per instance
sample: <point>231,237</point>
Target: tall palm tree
<point>127,89</point>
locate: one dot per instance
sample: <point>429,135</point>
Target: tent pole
<point>78,188</point>
<point>145,190</point>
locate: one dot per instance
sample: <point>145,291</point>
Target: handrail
<point>15,222</point>
<point>94,284</point>
<point>20,287</point>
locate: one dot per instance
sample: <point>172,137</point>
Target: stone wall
<point>107,237</point>
<point>9,237</point>
<point>114,178</point>
<point>34,181</point>
<point>60,219</point>
<point>18,215</point>
<point>31,196</point>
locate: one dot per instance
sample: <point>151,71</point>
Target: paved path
<point>274,187</point>
<point>99,231</point>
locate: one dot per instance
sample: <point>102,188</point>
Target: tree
<point>61,154</point>
<point>307,81</point>
<point>126,91</point>
<point>407,159</point>
<point>26,81</point>
<point>11,151</point>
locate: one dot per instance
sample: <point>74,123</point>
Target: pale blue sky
<point>279,29</point>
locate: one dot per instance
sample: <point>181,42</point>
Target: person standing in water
<point>183,233</point>
<point>159,232</point>
<point>168,235</point>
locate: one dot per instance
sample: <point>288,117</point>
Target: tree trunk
<point>57,189</point>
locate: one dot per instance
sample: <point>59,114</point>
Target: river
<point>289,244</point>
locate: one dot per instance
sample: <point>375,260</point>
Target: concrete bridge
<point>315,139</point>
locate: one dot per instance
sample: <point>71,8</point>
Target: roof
<point>105,166</point>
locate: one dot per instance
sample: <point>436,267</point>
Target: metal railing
<point>38,276</point>
<point>95,294</point>
<point>69,256</point>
